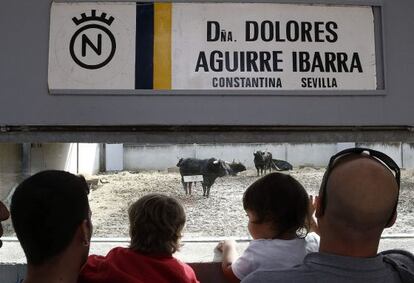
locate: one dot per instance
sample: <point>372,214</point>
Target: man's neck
<point>347,245</point>
<point>58,271</point>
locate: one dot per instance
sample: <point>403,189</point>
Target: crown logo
<point>93,17</point>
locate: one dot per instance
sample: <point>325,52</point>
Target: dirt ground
<point>221,214</point>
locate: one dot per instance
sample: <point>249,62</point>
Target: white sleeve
<point>245,264</point>
<point>312,242</point>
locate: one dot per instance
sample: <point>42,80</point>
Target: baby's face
<point>263,230</point>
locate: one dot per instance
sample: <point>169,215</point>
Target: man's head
<point>4,215</point>
<point>47,210</point>
<point>359,194</point>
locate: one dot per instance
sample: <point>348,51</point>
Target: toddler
<point>156,222</point>
<point>280,217</point>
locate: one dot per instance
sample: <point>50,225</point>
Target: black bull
<point>211,169</point>
<point>281,165</point>
<point>262,161</point>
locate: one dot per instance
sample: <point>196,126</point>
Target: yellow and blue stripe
<point>153,46</point>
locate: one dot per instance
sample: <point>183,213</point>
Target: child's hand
<point>228,248</point>
<point>312,205</point>
<point>220,246</point>
<point>313,224</point>
<point>225,245</point>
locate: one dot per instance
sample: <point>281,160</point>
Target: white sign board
<point>211,46</point>
<point>272,46</point>
<point>193,178</point>
<point>92,46</point>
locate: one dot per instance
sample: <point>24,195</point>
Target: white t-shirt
<point>274,254</point>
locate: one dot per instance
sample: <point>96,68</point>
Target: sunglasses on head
<point>377,155</point>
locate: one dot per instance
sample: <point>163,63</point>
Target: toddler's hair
<point>280,199</point>
<point>156,222</point>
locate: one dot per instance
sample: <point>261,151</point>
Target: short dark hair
<point>281,199</point>
<point>156,222</point>
<point>46,209</point>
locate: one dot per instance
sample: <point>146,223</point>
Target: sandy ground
<point>219,215</point>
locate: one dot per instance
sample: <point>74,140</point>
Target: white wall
<point>310,154</point>
<point>240,152</point>
<point>59,156</point>
<point>160,157</point>
<point>10,167</point>
<point>88,158</point>
<point>114,154</point>
<point>164,156</point>
<point>156,156</point>
<point>64,156</point>
<point>408,155</point>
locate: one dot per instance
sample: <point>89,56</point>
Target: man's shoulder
<point>400,257</point>
<point>402,261</point>
<point>330,267</point>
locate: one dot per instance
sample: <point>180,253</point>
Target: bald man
<point>4,215</point>
<point>356,202</point>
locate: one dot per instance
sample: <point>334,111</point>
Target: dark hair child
<point>278,208</point>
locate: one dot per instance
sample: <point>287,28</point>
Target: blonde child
<point>156,222</point>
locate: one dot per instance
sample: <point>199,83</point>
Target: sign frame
<point>379,57</point>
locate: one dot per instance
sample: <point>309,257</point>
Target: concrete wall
<point>408,155</point>
<point>310,154</point>
<point>64,156</point>
<point>10,167</point>
<point>160,157</point>
<point>114,157</point>
<point>156,156</point>
<point>59,156</point>
<point>240,152</point>
<point>89,154</point>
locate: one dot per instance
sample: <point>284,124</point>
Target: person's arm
<point>312,222</point>
<point>228,248</point>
